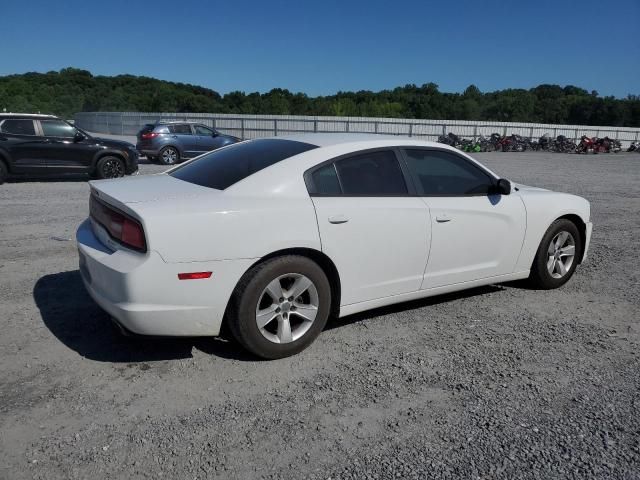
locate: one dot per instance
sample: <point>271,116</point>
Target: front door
<point>207,139</point>
<point>476,233</point>
<point>64,152</point>
<point>374,231</point>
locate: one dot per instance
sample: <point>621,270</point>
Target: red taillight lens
<point>120,227</point>
<point>149,135</point>
<point>132,234</point>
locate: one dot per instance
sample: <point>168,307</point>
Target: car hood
<point>147,188</point>
<point>109,142</point>
<point>528,188</point>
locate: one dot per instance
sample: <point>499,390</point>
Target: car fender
<point>543,207</point>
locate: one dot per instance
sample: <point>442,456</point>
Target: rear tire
<point>169,156</point>
<point>109,167</point>
<point>280,306</point>
<point>557,256</point>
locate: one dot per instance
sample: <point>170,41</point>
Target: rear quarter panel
<point>200,229</point>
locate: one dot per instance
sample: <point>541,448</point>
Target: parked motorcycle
<point>634,147</point>
<point>586,145</point>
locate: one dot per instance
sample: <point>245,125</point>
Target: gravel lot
<point>497,382</point>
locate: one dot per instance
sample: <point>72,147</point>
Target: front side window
<point>439,173</point>
<point>222,168</point>
<point>57,128</point>
<point>18,127</point>
<point>371,174</point>
<point>180,129</point>
<point>200,130</point>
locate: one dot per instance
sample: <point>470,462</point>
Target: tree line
<point>74,90</point>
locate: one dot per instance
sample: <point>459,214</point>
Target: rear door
<point>370,225</point>
<point>208,139</point>
<point>475,233</point>
<point>18,137</point>
<point>183,135</point>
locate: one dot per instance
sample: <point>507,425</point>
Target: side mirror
<point>215,134</point>
<point>503,187</point>
<point>78,137</point>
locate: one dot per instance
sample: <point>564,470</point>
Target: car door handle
<point>443,218</point>
<point>338,219</point>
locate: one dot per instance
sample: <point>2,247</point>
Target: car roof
<point>331,139</point>
<point>25,115</point>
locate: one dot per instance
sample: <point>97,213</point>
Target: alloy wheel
<point>169,156</point>
<point>561,254</point>
<point>287,308</point>
<point>112,168</point>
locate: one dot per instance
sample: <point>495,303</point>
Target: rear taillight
<point>121,227</point>
<point>149,135</point>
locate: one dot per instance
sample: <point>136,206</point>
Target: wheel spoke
<point>552,248</point>
<point>266,315</point>
<point>551,264</point>
<point>274,289</point>
<point>562,239</point>
<point>562,269</point>
<point>307,312</point>
<point>300,285</point>
<point>568,251</point>
<point>284,330</point>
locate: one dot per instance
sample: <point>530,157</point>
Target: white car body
<point>387,249</point>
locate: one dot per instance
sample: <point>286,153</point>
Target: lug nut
<point>291,299</point>
<point>281,300</point>
<point>278,310</point>
<point>293,308</point>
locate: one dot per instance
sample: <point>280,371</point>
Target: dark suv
<point>44,144</point>
<point>170,142</point>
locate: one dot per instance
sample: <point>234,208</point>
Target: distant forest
<point>73,90</point>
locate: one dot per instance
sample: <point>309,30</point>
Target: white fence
<point>254,126</point>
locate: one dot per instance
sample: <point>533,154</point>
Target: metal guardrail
<point>254,126</point>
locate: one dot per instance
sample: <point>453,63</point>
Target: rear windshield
<point>222,168</point>
<point>147,128</point>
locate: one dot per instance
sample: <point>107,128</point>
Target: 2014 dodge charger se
<point>271,236</point>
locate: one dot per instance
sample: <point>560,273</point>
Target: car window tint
<point>57,128</point>
<point>445,173</point>
<point>325,181</point>
<point>18,127</point>
<point>375,173</point>
<point>200,130</point>
<point>222,168</point>
<point>180,129</point>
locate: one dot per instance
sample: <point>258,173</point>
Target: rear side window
<point>371,174</point>
<point>180,129</point>
<point>443,173</point>
<point>18,127</point>
<point>222,168</point>
<point>325,181</point>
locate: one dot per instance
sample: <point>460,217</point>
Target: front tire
<point>169,156</point>
<point>109,167</point>
<point>280,306</point>
<point>557,255</point>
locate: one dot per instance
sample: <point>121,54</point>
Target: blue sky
<point>321,47</point>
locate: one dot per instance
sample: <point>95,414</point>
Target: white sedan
<point>272,236</point>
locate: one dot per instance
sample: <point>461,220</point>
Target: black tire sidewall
<point>3,172</point>
<point>540,276</point>
<point>243,323</point>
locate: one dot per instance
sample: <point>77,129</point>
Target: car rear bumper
<point>143,293</point>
